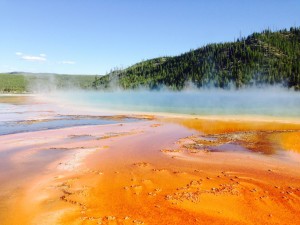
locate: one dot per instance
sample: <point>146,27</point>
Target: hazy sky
<point>93,36</point>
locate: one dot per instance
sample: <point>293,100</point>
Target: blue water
<point>268,101</point>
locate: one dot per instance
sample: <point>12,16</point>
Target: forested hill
<point>261,58</point>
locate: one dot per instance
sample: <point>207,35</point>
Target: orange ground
<point>165,171</point>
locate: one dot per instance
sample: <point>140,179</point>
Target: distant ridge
<point>46,74</point>
<point>269,57</point>
<point>23,82</point>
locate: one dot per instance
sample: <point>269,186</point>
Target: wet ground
<point>132,170</point>
<point>22,114</point>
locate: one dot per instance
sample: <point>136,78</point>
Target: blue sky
<point>94,36</point>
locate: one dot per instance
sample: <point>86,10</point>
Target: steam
<point>41,84</point>
<point>49,83</point>
<point>258,100</point>
<point>269,101</point>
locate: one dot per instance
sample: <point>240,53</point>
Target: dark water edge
<point>13,127</point>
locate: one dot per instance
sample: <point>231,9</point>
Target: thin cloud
<point>68,62</point>
<point>32,58</point>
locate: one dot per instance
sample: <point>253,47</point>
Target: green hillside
<point>261,58</point>
<point>24,82</point>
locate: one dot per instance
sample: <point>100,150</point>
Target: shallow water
<point>25,117</point>
<point>268,101</point>
<point>29,126</point>
<point>19,116</point>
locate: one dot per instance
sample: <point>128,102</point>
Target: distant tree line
<point>18,82</point>
<point>261,58</point>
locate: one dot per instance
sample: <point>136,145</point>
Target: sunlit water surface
<point>269,102</point>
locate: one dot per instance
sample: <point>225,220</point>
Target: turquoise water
<point>15,118</point>
<point>270,102</point>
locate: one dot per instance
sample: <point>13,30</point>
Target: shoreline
<point>218,117</point>
<point>254,117</point>
<point>17,94</point>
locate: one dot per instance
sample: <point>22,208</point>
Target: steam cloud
<point>270,101</point>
